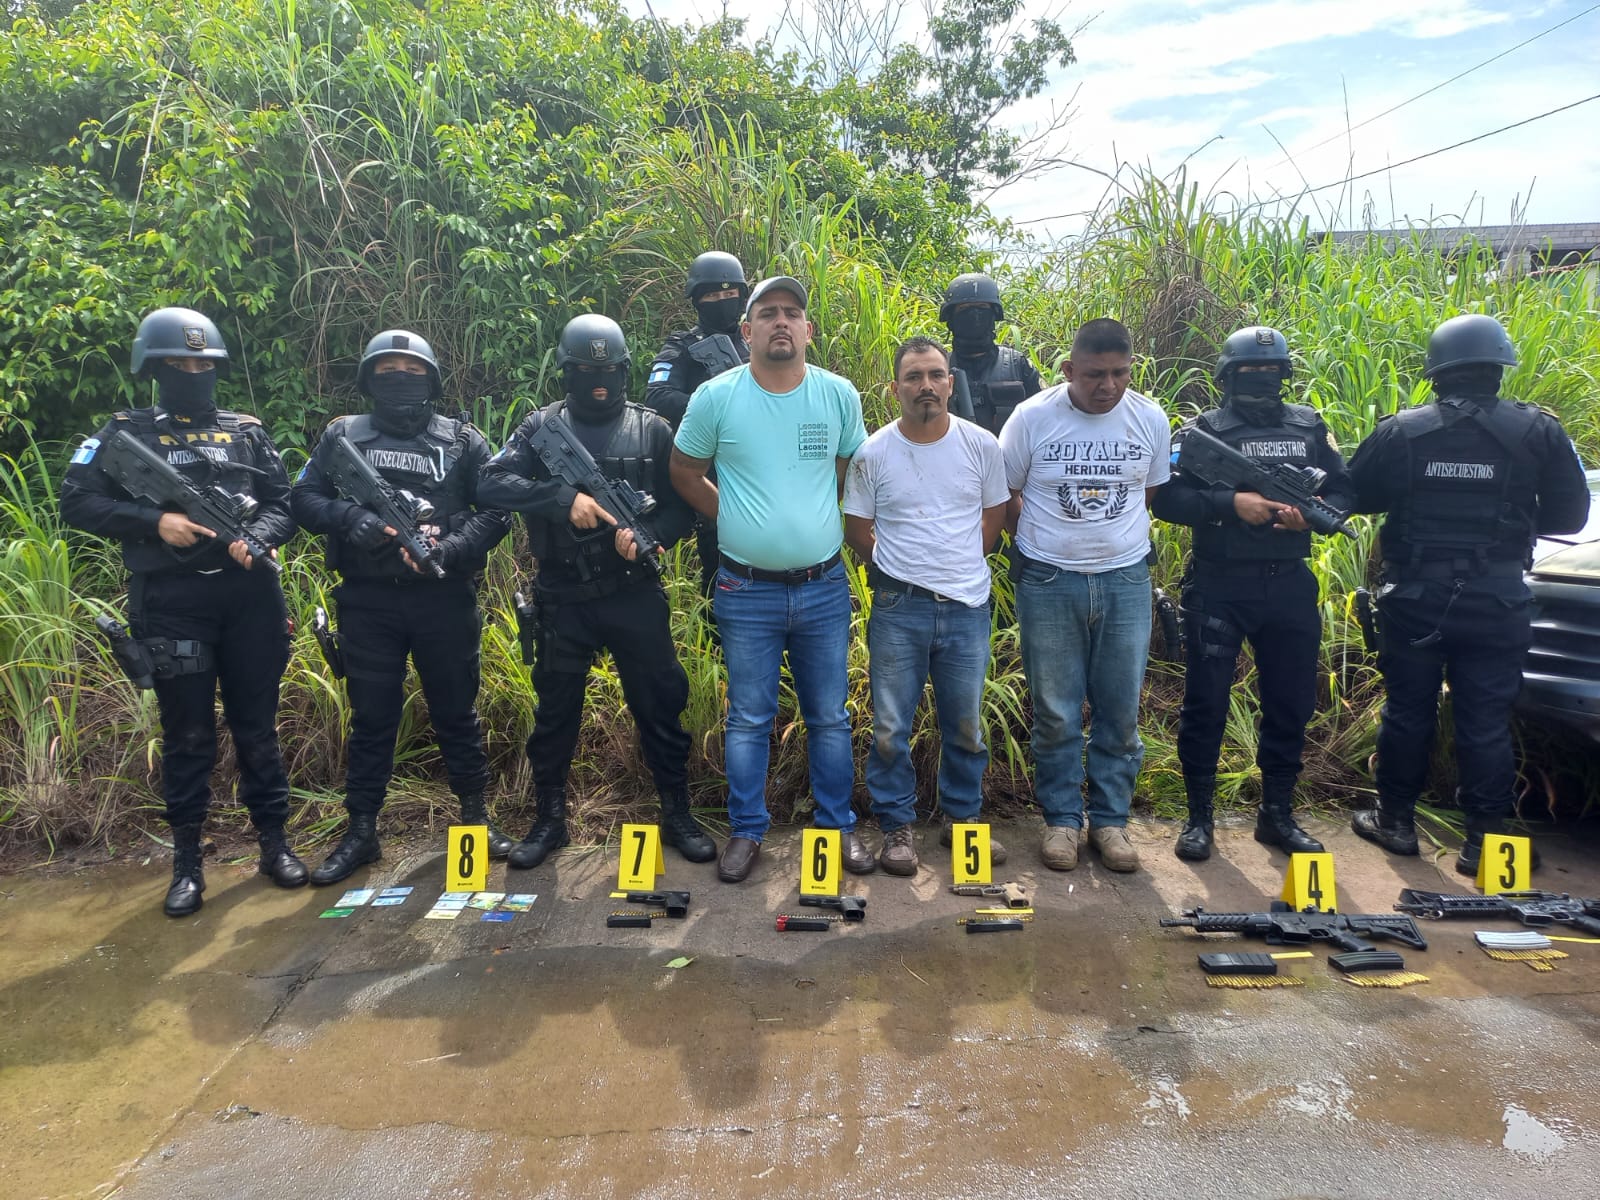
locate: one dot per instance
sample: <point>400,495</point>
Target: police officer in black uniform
<point>592,593</point>
<point>717,289</point>
<point>389,607</point>
<point>1248,580</point>
<point>997,377</point>
<point>1468,482</point>
<point>204,615</point>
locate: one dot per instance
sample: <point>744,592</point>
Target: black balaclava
<point>720,316</point>
<point>402,403</point>
<point>1472,381</point>
<point>1257,396</point>
<point>972,330</point>
<point>190,395</point>
<point>580,392</point>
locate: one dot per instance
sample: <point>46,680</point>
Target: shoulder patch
<point>85,452</point>
<point>247,419</point>
<point>661,371</point>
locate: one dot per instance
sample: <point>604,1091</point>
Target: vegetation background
<point>310,172</point>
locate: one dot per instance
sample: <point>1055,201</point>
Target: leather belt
<point>1255,569</point>
<point>888,583</point>
<point>793,576</point>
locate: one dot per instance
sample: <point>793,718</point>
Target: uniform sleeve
<point>697,435</point>
<point>92,502</point>
<point>514,479</point>
<point>273,523</point>
<point>853,426</point>
<point>673,518</point>
<point>484,527</point>
<point>860,485</point>
<point>1563,490</point>
<point>1372,475</point>
<point>672,381</point>
<point>1184,500</point>
<point>315,501</point>
<point>1336,489</point>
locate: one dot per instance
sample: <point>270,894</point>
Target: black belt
<point>1455,568</point>
<point>796,575</point>
<point>888,583</point>
<point>1255,569</point>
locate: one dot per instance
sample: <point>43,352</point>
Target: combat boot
<point>681,831</point>
<point>1471,854</point>
<point>278,862</point>
<point>475,811</point>
<point>1194,843</point>
<point>1275,823</point>
<point>358,847</point>
<point>188,879</point>
<point>549,832</point>
<point>1390,825</point>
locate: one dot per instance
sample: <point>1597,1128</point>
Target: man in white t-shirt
<point>924,500</point>
<point>1082,460</point>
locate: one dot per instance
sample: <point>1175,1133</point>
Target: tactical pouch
<point>329,643</point>
<point>1004,396</point>
<point>1367,618</point>
<point>527,627</point>
<point>130,655</point>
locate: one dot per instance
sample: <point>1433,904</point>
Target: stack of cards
<point>448,906</point>
<point>390,897</point>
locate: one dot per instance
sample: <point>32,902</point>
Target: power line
<point>1462,75</point>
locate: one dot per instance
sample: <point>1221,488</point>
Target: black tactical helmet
<point>177,333</point>
<point>592,341</point>
<point>406,344</point>
<point>971,289</point>
<point>1467,340</point>
<point>1255,346</point>
<point>713,271</point>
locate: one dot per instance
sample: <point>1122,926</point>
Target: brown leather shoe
<point>899,855</point>
<point>738,858</point>
<point>858,860</point>
<point>1116,851</point>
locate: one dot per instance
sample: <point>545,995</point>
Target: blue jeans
<point>910,638</point>
<point>758,621</point>
<point>1085,637</point>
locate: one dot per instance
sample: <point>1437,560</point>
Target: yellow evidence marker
<point>466,859</point>
<point>820,857</point>
<point>1309,883</point>
<point>1506,864</point>
<point>969,853</point>
<point>639,858</point>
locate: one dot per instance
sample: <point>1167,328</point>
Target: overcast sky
<point>1214,82</point>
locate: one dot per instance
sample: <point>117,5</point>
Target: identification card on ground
<point>639,858</point>
<point>336,913</point>
<point>1506,864</point>
<point>519,901</point>
<point>466,858</point>
<point>970,853</point>
<point>356,896</point>
<point>489,901</point>
<point>820,855</point>
<point>390,897</point>
<point>1309,883</point>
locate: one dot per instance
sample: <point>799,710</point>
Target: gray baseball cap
<point>778,283</point>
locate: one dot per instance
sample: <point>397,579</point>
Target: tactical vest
<point>220,452</point>
<point>1471,483</point>
<point>425,465</point>
<point>997,386</point>
<point>590,555</point>
<point>1294,440</point>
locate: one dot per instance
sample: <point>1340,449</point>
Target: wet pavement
<point>258,1051</point>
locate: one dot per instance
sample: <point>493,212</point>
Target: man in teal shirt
<point>781,433</point>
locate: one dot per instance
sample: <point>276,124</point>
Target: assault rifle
<point>716,354</point>
<point>145,474</point>
<point>566,458</point>
<point>1283,927</point>
<point>1533,909</point>
<point>358,480</point>
<point>1214,461</point>
<point>961,395</point>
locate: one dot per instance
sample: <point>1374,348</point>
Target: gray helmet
<point>1464,341</point>
<point>177,333</point>
<point>406,344</point>
<point>713,271</point>
<point>1255,346</point>
<point>971,289</point>
<point>592,341</point>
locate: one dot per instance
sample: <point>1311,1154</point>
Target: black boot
<point>1390,825</point>
<point>188,880</point>
<point>358,847</point>
<point>1194,843</point>
<point>475,811</point>
<point>549,832</point>
<point>1275,824</point>
<point>1471,854</point>
<point>681,831</point>
<point>278,862</point>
